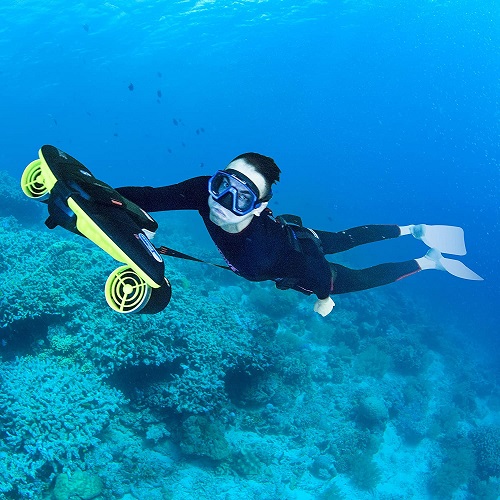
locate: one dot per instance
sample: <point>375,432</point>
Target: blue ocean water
<point>376,112</point>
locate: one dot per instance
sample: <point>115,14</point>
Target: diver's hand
<point>324,306</point>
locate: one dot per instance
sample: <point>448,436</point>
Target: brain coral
<point>373,410</point>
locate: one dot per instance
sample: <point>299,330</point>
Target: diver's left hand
<point>324,306</point>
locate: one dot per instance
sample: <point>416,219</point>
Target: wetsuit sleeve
<point>191,194</point>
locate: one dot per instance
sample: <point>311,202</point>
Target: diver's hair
<point>264,165</point>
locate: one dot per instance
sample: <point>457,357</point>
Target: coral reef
<point>125,465</point>
<point>235,388</point>
<point>204,438</point>
<point>456,468</point>
<point>80,484</point>
<point>373,410</point>
<point>13,203</point>
<point>50,416</point>
<point>46,276</point>
<point>486,443</point>
<point>365,473</point>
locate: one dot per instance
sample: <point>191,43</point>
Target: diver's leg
<point>446,239</point>
<point>350,238</point>
<point>353,280</point>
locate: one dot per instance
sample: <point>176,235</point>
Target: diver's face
<point>224,217</point>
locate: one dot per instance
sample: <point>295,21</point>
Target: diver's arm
<point>313,275</point>
<point>319,277</point>
<point>191,194</point>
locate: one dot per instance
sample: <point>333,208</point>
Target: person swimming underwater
<point>233,204</point>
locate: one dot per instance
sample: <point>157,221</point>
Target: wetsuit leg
<point>352,280</point>
<point>350,238</point>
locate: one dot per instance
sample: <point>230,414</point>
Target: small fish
<point>197,131</point>
<point>158,93</point>
<point>183,144</point>
<point>115,135</point>
<point>159,74</point>
<point>86,27</point>
<point>131,87</point>
<point>169,150</point>
<point>202,129</point>
<point>202,165</point>
<point>175,122</point>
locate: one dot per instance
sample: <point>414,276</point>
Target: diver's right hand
<point>324,306</point>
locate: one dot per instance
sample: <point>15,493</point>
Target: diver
<point>257,246</point>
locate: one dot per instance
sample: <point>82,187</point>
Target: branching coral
<point>486,442</point>
<point>50,414</point>
<point>44,275</point>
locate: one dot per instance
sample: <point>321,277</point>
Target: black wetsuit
<point>264,251</point>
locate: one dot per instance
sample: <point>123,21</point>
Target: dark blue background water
<point>381,113</point>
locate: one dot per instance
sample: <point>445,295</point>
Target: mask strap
<point>242,177</point>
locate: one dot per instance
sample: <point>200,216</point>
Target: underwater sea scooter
<point>84,205</point>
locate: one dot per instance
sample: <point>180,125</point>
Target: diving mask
<point>235,191</point>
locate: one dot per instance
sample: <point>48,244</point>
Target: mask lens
<point>245,201</point>
<point>219,184</point>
